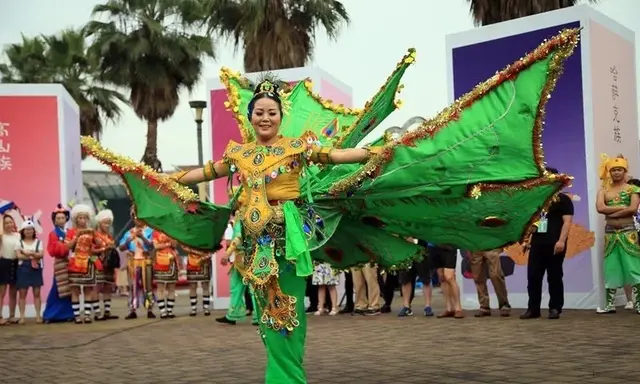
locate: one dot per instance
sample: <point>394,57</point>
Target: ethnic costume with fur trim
<point>82,261</point>
<point>621,248</point>
<point>465,177</point>
<point>104,244</point>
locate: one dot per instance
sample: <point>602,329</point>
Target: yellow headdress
<point>607,164</point>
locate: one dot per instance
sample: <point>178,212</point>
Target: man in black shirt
<point>548,248</point>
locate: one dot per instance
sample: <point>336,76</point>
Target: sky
<point>375,40</point>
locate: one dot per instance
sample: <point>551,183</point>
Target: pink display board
<point>224,128</point>
<point>39,155</point>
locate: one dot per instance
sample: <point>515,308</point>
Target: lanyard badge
<point>543,223</point>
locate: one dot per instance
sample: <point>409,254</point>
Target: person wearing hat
<point>58,308</point>
<point>165,272</point>
<point>29,251</point>
<point>618,201</point>
<point>105,271</point>
<point>199,271</point>
<point>82,269</point>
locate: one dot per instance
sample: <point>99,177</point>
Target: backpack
<point>112,260</point>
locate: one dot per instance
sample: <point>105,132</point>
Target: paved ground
<point>580,348</point>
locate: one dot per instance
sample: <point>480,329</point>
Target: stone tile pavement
<point>582,347</point>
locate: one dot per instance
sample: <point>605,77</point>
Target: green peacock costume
<point>472,177</point>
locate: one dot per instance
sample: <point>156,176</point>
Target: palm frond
<point>487,12</point>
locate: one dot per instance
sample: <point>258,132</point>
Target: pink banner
<point>30,161</point>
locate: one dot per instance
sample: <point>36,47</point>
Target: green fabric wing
<point>501,215</point>
<point>354,244</point>
<point>202,228</point>
<point>164,204</point>
<point>493,140</point>
<point>379,107</point>
<point>309,113</point>
<point>472,177</point>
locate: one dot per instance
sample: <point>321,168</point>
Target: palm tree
<point>26,62</point>
<point>63,59</point>
<point>148,47</point>
<point>487,12</point>
<point>77,70</point>
<point>275,34</point>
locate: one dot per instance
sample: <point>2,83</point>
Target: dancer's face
<point>266,118</point>
<point>82,221</point>
<point>105,225</point>
<point>618,174</point>
<point>60,220</point>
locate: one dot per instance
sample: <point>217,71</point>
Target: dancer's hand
<point>224,261</point>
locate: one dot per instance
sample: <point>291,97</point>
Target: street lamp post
<point>198,107</point>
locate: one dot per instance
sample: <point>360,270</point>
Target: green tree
<point>25,62</point>
<point>150,48</point>
<point>274,34</point>
<point>487,12</point>
<point>64,59</point>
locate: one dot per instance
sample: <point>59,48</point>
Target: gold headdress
<point>607,164</point>
<point>266,87</point>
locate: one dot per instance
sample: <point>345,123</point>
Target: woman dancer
<point>82,269</point>
<point>105,274</point>
<point>165,273</point>
<point>304,199</point>
<point>199,271</point>
<point>58,308</point>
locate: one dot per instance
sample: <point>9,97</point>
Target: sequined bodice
<point>268,174</point>
<point>623,199</point>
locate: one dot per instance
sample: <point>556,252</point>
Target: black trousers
<point>348,290</point>
<point>247,299</point>
<point>388,287</point>
<point>541,261</point>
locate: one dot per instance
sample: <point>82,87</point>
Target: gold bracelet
<point>324,155</point>
<point>209,171</point>
<point>371,151</point>
<point>368,155</point>
<point>178,175</point>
